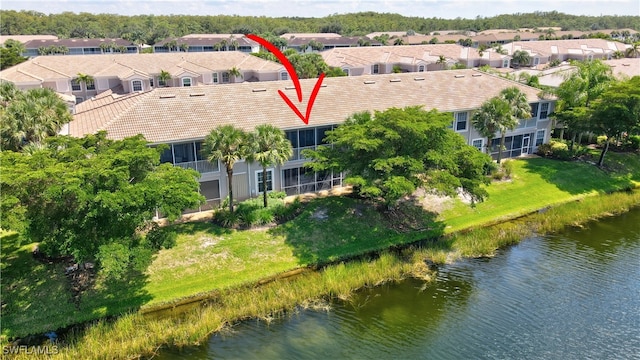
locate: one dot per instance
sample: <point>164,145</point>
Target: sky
<point>446,9</point>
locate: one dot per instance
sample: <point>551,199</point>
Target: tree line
<point>150,29</point>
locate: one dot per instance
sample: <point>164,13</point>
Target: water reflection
<point>573,295</point>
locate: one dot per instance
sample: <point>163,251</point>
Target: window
<point>539,137</point>
<point>136,85</point>
<point>75,85</point>
<point>544,111</point>
<point>151,82</point>
<point>215,78</point>
<point>225,77</point>
<point>421,68</point>
<point>261,183</point>
<point>91,85</point>
<point>186,81</point>
<point>284,75</point>
<point>375,69</point>
<point>461,121</point>
<point>478,143</point>
<point>307,138</point>
<point>346,71</point>
<point>321,133</point>
<point>79,100</point>
<point>534,110</point>
<point>184,152</point>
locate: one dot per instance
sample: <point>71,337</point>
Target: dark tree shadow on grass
<point>337,228</point>
<point>195,227</point>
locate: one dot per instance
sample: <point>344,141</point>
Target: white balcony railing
<point>202,166</point>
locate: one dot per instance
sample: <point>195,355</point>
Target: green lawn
<point>207,258</point>
<point>538,183</point>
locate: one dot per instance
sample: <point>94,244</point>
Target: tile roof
<point>26,38</point>
<point>209,39</point>
<point>625,67</point>
<point>576,46</point>
<point>309,36</point>
<point>408,54</point>
<point>123,65</point>
<point>173,114</point>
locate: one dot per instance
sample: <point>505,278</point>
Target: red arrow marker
<point>294,77</point>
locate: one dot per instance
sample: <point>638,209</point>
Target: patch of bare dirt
<point>432,202</point>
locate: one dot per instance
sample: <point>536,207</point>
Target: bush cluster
<point>251,213</point>
<point>118,257</point>
<point>559,149</point>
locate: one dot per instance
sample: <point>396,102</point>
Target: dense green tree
<point>156,28</point>
<point>308,66</point>
<point>616,112</point>
<point>75,196</point>
<point>11,53</point>
<point>268,147</point>
<point>229,145</point>
<point>389,154</point>
<point>30,116</point>
<point>576,93</point>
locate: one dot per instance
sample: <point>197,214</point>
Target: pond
<point>571,295</point>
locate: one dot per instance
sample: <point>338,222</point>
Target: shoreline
<point>410,260</point>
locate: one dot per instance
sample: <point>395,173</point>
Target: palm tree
<point>86,80</point>
<point>235,72</point>
<point>163,78</point>
<point>32,116</point>
<point>398,41</point>
<point>269,147</point>
<point>578,90</point>
<point>519,108</point>
<point>520,57</point>
<point>487,119</point>
<point>442,60</point>
<point>227,144</point>
<point>634,50</point>
<point>481,50</point>
<point>233,43</point>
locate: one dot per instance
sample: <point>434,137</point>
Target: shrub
<point>490,168</point>
<point>264,216</point>
<point>141,258</point>
<point>507,168</point>
<point>277,195</point>
<point>158,237</point>
<point>114,260</point>
<point>555,148</point>
<point>225,218</point>
<point>600,140</point>
<point>634,142</point>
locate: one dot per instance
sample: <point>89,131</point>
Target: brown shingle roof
<point>172,114</point>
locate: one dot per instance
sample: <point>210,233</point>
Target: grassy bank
<point>224,263</point>
<point>139,334</point>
